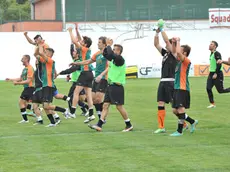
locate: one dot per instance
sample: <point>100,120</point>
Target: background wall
<point>139,52</point>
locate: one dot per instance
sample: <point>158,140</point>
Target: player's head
<point>49,52</point>
<point>86,42</point>
<point>185,50</point>
<point>38,39</point>
<point>25,59</point>
<point>75,54</point>
<point>117,49</point>
<point>101,43</point>
<point>213,45</point>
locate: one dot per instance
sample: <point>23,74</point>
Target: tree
<point>10,10</point>
<point>4,5</point>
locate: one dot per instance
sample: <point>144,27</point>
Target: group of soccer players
<point>174,84</point>
<point>43,91</point>
<point>100,91</point>
<point>106,87</point>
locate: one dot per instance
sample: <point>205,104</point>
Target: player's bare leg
<point>22,106</point>
<point>124,114</point>
<point>104,115</point>
<point>37,112</point>
<point>91,116</point>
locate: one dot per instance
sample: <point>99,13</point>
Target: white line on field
<point>87,133</point>
<point>67,134</point>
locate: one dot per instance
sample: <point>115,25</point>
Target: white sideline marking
<point>94,132</point>
<point>69,134</point>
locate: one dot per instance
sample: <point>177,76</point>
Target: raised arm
<point>109,55</point>
<point>174,47</point>
<point>28,38</point>
<point>178,50</point>
<point>71,50</point>
<point>78,34</point>
<point>166,40</point>
<point>156,41</point>
<point>36,52</point>
<point>73,39</point>
<point>41,53</point>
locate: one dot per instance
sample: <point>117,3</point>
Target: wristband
<point>157,34</point>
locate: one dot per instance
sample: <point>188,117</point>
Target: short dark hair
<point>187,49</point>
<point>27,57</point>
<point>216,44</point>
<point>50,50</point>
<point>37,36</point>
<point>119,46</point>
<point>87,41</point>
<point>170,40</point>
<point>103,39</point>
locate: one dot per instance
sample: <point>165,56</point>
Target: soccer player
<point>100,82</point>
<point>215,77</point>
<point>48,75</point>
<point>37,40</point>
<point>37,94</point>
<point>115,92</point>
<point>181,95</point>
<point>86,77</point>
<point>75,70</point>
<point>26,79</point>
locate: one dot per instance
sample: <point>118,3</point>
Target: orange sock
<point>185,125</point>
<point>161,117</point>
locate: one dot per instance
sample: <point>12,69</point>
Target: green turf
<point>72,146</point>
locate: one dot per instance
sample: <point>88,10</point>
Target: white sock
<point>24,113</point>
<point>127,120</point>
<point>39,118</point>
<point>186,116</point>
<point>56,115</point>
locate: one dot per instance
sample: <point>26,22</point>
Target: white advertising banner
<point>149,71</point>
<point>219,17</point>
<point>154,71</point>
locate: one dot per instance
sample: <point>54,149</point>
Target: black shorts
<point>85,79</point>
<point>47,94</point>
<point>165,91</point>
<point>72,88</point>
<point>218,82</point>
<point>82,92</point>
<point>27,93</point>
<point>181,98</point>
<point>100,87</point>
<point>37,96</point>
<point>115,95</point>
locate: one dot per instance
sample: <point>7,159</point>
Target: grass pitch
<point>73,147</point>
